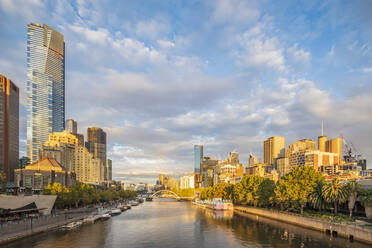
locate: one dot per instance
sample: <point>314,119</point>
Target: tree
<point>365,197</point>
<point>246,191</point>
<point>295,188</point>
<point>219,190</point>
<point>266,193</point>
<point>2,180</point>
<point>353,188</point>
<point>335,193</point>
<point>316,198</point>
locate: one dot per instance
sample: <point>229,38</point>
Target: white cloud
<point>165,44</point>
<point>99,36</point>
<point>299,56</point>
<point>151,28</point>
<point>234,11</point>
<point>367,69</point>
<point>261,52</point>
<point>25,9</point>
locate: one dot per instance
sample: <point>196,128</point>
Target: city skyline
<point>159,84</point>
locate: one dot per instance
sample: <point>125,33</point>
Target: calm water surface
<point>180,224</point>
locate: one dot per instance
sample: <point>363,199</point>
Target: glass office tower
<point>45,86</point>
<point>198,157</point>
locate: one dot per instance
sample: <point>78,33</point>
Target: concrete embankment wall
<point>13,230</point>
<point>348,230</point>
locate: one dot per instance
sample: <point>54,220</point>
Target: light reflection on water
<point>179,224</point>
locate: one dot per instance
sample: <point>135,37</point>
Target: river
<point>164,223</point>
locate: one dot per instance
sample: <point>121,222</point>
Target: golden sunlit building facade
<point>229,170</point>
<point>64,147</point>
<point>42,172</point>
<point>274,147</point>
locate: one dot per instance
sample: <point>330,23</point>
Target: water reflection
<point>179,224</point>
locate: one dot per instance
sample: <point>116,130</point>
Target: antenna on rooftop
<point>322,128</point>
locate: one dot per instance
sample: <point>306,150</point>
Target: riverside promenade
<point>13,230</point>
<point>351,230</point>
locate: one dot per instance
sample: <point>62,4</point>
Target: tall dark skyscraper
<point>96,145</point>
<point>9,127</point>
<point>198,157</point>
<point>45,86</point>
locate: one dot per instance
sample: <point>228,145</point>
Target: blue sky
<point>161,76</point>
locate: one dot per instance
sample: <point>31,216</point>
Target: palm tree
<point>353,188</point>
<point>335,193</point>
<point>316,198</point>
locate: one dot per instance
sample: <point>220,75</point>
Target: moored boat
<point>105,216</point>
<point>72,225</point>
<point>115,212</point>
<point>133,203</point>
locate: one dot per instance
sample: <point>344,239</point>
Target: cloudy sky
<point>161,76</point>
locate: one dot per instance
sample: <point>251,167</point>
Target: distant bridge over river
<point>169,194</point>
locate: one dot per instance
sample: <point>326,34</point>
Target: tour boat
<point>219,204</point>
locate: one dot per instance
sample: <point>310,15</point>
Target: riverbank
<point>353,231</point>
<point>14,230</point>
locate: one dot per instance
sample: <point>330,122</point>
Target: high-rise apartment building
<point>274,147</point>
<point>71,126</point>
<point>64,147</point>
<point>61,146</point>
<point>96,145</point>
<point>45,86</point>
<point>334,146</point>
<point>109,169</point>
<point>198,157</point>
<point>9,127</point>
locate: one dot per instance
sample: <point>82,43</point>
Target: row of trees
<point>302,187</point>
<point>81,194</point>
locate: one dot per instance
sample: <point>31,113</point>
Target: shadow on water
<point>168,223</point>
<point>252,229</point>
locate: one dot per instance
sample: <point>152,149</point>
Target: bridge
<point>165,194</point>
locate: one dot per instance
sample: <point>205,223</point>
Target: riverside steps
<point>350,230</point>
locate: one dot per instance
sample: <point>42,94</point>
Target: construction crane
<point>350,152</point>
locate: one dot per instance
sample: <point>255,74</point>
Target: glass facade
<point>45,86</point>
<point>198,157</point>
<point>9,127</point>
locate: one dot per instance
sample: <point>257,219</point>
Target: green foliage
<point>329,216</point>
<point>81,194</point>
<point>353,188</point>
<point>316,198</point>
<point>246,191</point>
<point>2,180</point>
<point>335,193</point>
<point>295,188</point>
<point>266,194</point>
<point>365,197</point>
<point>220,190</point>
<point>190,192</point>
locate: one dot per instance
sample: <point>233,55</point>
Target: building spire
<point>322,128</point>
